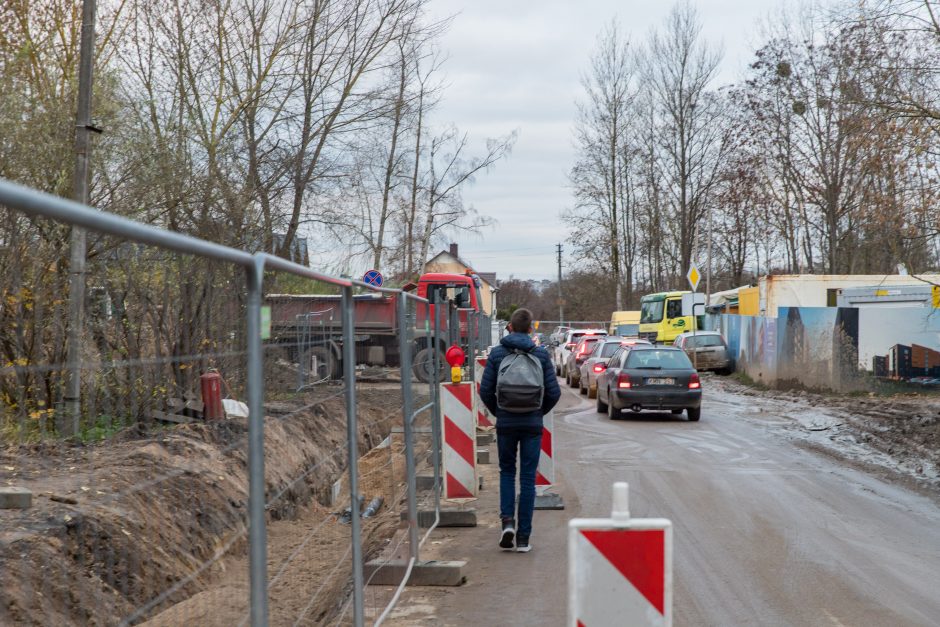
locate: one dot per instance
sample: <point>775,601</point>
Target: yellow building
<point>449,261</point>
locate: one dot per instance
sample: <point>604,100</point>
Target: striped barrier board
<point>459,428</point>
<point>545,474</point>
<point>620,569</point>
<point>485,419</point>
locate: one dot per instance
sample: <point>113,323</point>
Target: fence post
<point>257,536</point>
<point>435,386</point>
<point>471,344</point>
<point>352,433</point>
<point>404,352</point>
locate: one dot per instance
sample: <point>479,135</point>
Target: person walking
<point>518,387</point>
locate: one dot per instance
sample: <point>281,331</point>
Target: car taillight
<point>694,382</point>
<point>583,350</point>
<point>623,381</point>
<point>569,345</point>
<point>599,367</point>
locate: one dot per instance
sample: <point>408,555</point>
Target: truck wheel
<point>423,366</point>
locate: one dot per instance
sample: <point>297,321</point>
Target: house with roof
<point>449,261</point>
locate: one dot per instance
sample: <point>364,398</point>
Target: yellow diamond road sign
<point>694,277</point>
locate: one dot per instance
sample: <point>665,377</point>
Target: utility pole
<point>83,130</point>
<point>708,270</point>
<point>561,298</point>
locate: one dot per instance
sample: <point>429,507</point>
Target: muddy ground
<point>897,435</point>
<point>151,527</point>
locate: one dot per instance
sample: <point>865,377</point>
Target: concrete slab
<point>437,573</point>
<point>12,497</point>
<point>549,500</point>
<point>449,518</point>
<point>483,456</point>
<point>486,438</point>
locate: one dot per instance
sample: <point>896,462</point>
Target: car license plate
<point>661,381</point>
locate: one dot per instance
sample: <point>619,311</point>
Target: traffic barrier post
<point>460,471</point>
<point>620,569</point>
<point>545,473</point>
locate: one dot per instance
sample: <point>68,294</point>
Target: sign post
<point>694,277</point>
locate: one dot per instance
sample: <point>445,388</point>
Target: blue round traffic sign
<point>373,277</point>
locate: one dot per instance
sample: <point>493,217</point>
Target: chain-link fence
<point>228,460</point>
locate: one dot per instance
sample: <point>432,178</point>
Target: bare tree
<point>449,168</point>
<point>679,69</point>
<point>602,177</point>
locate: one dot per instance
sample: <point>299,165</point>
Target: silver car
<point>597,362</point>
<point>707,350</point>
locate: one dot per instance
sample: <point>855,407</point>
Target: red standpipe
<point>211,383</point>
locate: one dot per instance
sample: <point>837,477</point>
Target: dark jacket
<point>507,421</point>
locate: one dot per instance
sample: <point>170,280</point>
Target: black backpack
<point>520,383</point>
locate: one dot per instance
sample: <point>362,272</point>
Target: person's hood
<point>519,341</point>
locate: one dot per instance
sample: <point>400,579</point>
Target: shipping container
<point>821,290</point>
<point>920,295</point>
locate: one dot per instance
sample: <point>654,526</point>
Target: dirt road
<point>766,531</point>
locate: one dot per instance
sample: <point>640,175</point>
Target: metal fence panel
<point>176,508</point>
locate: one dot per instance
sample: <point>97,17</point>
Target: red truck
<point>310,325</point>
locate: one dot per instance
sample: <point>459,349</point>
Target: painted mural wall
<point>833,348</point>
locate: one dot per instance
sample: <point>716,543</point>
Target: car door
<point>613,369</point>
<point>674,315</point>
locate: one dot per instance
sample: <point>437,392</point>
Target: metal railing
<point>292,489</point>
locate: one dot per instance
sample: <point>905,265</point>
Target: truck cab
<point>625,323</point>
<point>661,319</point>
<point>461,289</point>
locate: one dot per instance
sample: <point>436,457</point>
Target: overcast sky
<point>516,65</point>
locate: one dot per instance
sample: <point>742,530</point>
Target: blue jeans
<point>529,448</point>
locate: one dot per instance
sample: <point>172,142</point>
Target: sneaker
<point>508,535</point>
<point>522,545</point>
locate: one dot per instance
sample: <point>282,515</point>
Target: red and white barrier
<point>459,428</point>
<point>545,473</point>
<point>619,569</point>
<point>485,420</point>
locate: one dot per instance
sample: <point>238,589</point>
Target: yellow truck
<point>661,318</point>
<point>625,323</point>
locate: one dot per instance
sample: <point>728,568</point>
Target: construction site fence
<point>209,471</point>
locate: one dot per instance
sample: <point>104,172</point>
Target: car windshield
<point>704,340</point>
<point>651,311</point>
<point>628,329</point>
<point>658,359</point>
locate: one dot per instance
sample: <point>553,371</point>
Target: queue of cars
<point>596,362</point>
<point>649,377</point>
<point>630,373</point>
<point>562,347</point>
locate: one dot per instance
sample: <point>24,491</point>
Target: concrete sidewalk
<point>502,588</point>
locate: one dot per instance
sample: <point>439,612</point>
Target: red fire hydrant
<point>455,357</point>
<point>211,383</point>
